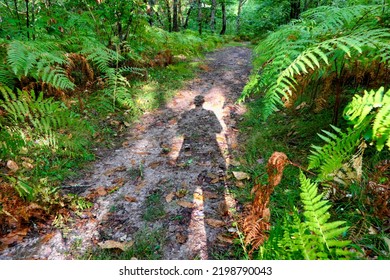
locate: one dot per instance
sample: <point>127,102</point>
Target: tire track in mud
<point>168,177</point>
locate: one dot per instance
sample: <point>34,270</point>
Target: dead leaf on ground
<point>241,175</point>
<point>16,236</point>
<point>101,191</point>
<point>112,244</point>
<point>27,165</point>
<point>198,196</point>
<point>169,197</point>
<point>210,195</point>
<point>225,239</point>
<point>181,238</point>
<point>119,182</point>
<point>47,237</point>
<point>12,165</point>
<point>116,169</point>
<point>140,186</point>
<point>240,184</point>
<point>185,204</point>
<point>215,223</point>
<point>155,164</point>
<point>130,198</point>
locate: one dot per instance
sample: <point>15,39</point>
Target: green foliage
<point>42,121</point>
<point>41,61</point>
<point>372,108</point>
<point>310,49</point>
<point>316,237</point>
<point>369,115</point>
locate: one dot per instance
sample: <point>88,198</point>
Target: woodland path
<point>169,176</point>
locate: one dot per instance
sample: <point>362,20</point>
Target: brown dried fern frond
<point>257,223</point>
<point>275,167</point>
<point>78,62</point>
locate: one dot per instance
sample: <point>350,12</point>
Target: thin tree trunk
<point>150,11</point>
<point>17,14</point>
<point>33,18</point>
<point>212,16</point>
<point>179,13</point>
<point>169,15</point>
<point>295,9</point>
<point>27,21</point>
<point>175,19</point>
<point>200,17</point>
<point>188,16</point>
<point>238,19</point>
<point>223,30</point>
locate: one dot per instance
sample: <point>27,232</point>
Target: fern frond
<point>338,148</point>
<point>324,35</point>
<point>372,105</point>
<point>317,216</point>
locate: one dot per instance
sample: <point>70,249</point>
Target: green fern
<point>306,49</point>
<point>373,106</point>
<point>315,237</point>
<point>42,121</point>
<point>42,61</point>
<point>370,116</point>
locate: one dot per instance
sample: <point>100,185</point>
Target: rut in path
<point>178,154</point>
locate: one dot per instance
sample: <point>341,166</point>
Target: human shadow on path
<point>199,128</point>
<point>200,154</point>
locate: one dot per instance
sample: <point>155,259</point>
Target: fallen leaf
<point>155,164</point>
<point>181,193</point>
<point>372,230</point>
<point>112,244</point>
<point>116,169</point>
<point>198,196</point>
<point>125,144</point>
<point>210,195</point>
<point>119,182</point>
<point>215,223</point>
<point>12,165</point>
<point>126,124</point>
<point>16,236</point>
<point>240,184</point>
<point>214,181</point>
<point>169,197</point>
<point>130,198</point>
<point>225,239</point>
<point>27,165</point>
<point>234,146</point>
<point>27,159</point>
<point>101,191</point>
<point>140,186</point>
<point>185,204</point>
<point>47,237</point>
<point>241,175</point>
<point>181,238</point>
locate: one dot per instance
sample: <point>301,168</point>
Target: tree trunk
<point>169,15</point>
<point>200,17</point>
<point>295,9</point>
<point>33,18</point>
<point>150,11</point>
<point>179,13</point>
<point>223,30</point>
<point>212,16</point>
<point>238,19</point>
<point>27,21</point>
<point>175,18</point>
<point>185,26</point>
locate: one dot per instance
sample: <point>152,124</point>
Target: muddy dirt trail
<point>168,177</point>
